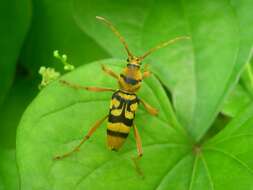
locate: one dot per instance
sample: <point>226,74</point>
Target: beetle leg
<point>109,72</point>
<point>139,149</point>
<point>146,72</point>
<point>149,108</point>
<point>89,88</point>
<point>86,137</point>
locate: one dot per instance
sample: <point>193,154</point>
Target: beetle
<point>124,101</point>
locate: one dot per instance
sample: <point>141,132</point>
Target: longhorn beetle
<point>124,101</point>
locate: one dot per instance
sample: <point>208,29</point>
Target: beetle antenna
<point>116,32</point>
<point>164,44</point>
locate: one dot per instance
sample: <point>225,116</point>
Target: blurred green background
<point>29,33</point>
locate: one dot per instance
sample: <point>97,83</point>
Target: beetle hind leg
<point>139,150</point>
<point>85,138</point>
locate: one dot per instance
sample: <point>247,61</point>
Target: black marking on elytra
<point>124,105</point>
<point>117,96</point>
<point>120,119</point>
<point>117,134</point>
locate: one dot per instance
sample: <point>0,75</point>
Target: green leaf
<point>199,73</point>
<point>54,28</point>
<point>204,68</point>
<point>224,162</point>
<point>241,95</point>
<point>9,179</point>
<point>14,18</point>
<point>246,79</point>
<point>233,148</point>
<point>237,100</point>
<point>59,117</point>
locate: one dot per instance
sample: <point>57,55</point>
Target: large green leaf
<point>59,117</point>
<point>224,162</point>
<point>14,19</point>
<point>233,148</point>
<point>54,28</point>
<point>199,72</point>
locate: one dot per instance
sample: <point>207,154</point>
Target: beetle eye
<point>127,59</point>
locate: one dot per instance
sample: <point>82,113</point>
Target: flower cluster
<point>50,74</point>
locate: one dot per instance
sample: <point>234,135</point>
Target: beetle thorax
<point>130,78</point>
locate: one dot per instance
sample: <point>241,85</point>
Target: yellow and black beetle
<point>124,102</point>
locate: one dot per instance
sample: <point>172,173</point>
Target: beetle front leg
<point>89,88</point>
<point>109,72</point>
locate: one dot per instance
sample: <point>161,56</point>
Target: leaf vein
<point>233,157</point>
<point>207,171</point>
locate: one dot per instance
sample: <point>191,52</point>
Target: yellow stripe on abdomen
<point>116,135</point>
<point>118,127</point>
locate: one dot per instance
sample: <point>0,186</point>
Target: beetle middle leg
<point>85,138</point>
<point>149,108</point>
<point>89,88</point>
